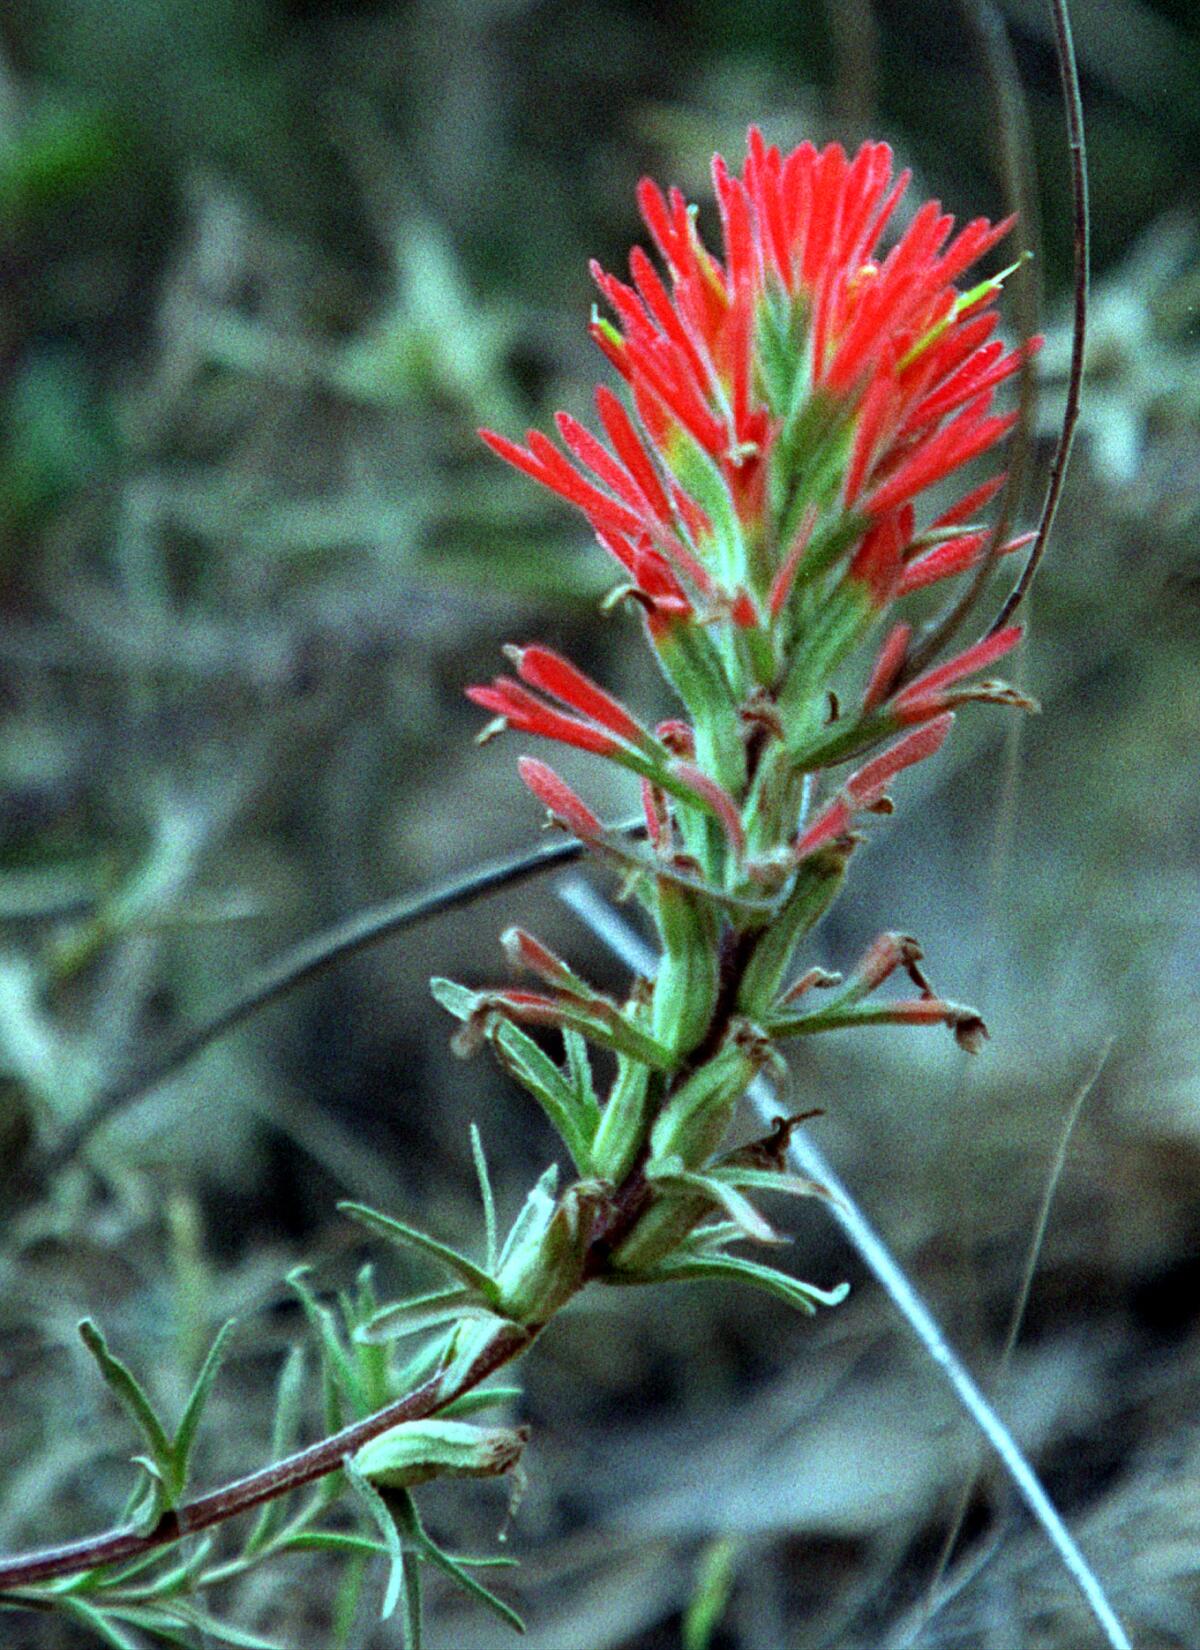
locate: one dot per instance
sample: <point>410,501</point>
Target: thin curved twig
<point>1069,74</point>
<point>307,961</point>
<point>1009,117</point>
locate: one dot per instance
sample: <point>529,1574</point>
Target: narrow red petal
<point>556,795</point>
<point>542,668</point>
<point>925,694</point>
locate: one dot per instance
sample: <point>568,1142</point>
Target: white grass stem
<point>616,933</point>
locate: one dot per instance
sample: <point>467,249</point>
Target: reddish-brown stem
<point>1069,74</point>
<point>294,1471</point>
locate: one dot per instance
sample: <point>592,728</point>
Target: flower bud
<point>416,1451</point>
<point>622,1125</point>
<point>693,1122</point>
<point>817,885</point>
<point>545,1266</point>
<point>685,987</point>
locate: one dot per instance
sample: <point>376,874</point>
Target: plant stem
<point>279,1478</point>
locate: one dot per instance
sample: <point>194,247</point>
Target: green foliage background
<point>263,269</point>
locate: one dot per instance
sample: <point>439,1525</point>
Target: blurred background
<point>264,267</point>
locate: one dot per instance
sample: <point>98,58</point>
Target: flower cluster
<point>791,404</point>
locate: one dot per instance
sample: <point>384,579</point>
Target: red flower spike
<point>925,696</point>
<point>867,786</point>
<point>891,338</point>
<point>544,669</point>
<point>971,502</point>
<point>887,666</point>
<point>560,800</point>
<point>522,710</point>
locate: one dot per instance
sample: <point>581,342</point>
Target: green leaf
<point>342,1384</point>
<point>148,1497</point>
<point>485,1194</point>
<point>739,1209</point>
<point>714,1583</point>
<point>530,1066</point>
<point>179,1577</point>
<point>185,1437</point>
<point>413,1528</point>
<point>769,1180</point>
<point>377,1510</point>
<point>395,1231</point>
<point>100,1622</point>
<point>534,1215</point>
<point>486,1397</point>
<point>131,1396</point>
<point>284,1431</point>
<point>346,1600</point>
<point>186,1615</point>
<point>332,1541</point>
<point>422,1312</point>
<point>806,1297</point>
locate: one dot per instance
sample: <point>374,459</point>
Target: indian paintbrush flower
<point>792,405</point>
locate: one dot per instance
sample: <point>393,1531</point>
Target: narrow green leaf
<point>342,1384</point>
<point>185,1437</point>
<point>332,1541</point>
<point>416,1532</point>
<point>454,998</point>
<point>485,1194</point>
<point>486,1397</point>
<point>395,1231</point>
<point>163,1627</point>
<point>422,1312</point>
<point>372,1359</point>
<point>147,1498</point>
<point>534,1215</point>
<point>346,1602</point>
<point>714,1583</point>
<point>284,1431</point>
<point>376,1509</point>
<point>100,1622</point>
<point>189,1615</point>
<point>177,1578</point>
<point>714,1236</point>
<point>806,1297</point>
<point>579,1074</point>
<point>739,1209</point>
<point>769,1180</point>
<point>130,1395</point>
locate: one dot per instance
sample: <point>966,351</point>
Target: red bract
<point>868,786</point>
<point>741,366</point>
<point>794,398</point>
